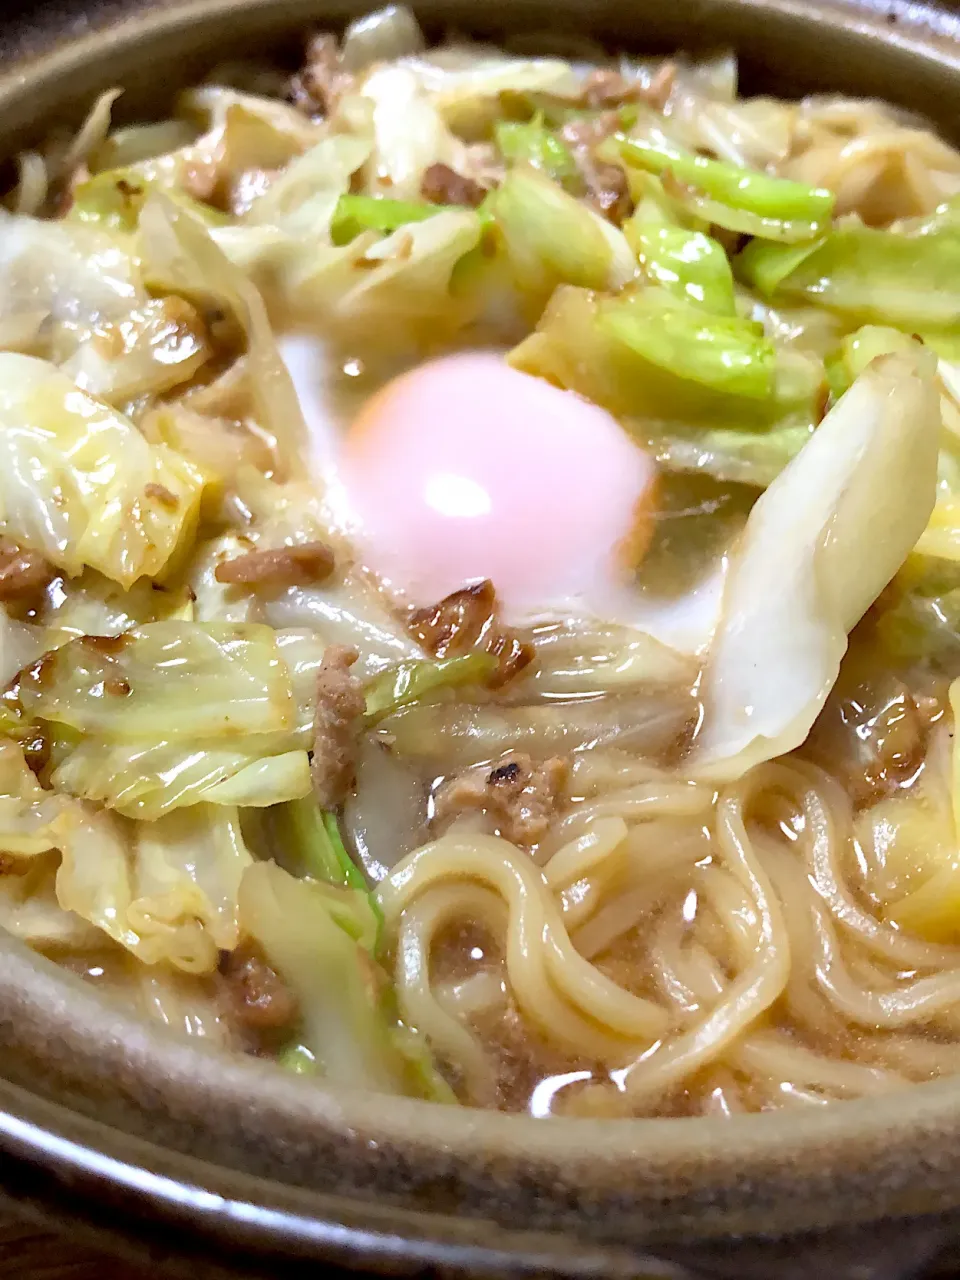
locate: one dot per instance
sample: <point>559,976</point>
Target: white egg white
<point>684,624</point>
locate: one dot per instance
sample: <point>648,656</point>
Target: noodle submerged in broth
<point>480,577</point>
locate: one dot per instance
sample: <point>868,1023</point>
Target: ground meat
<point>257,998</point>
<point>279,566</point>
<point>661,86</point>
<point>608,192</point>
<point>590,131</point>
<point>468,620</point>
<point>322,81</point>
<point>22,573</point>
<point>606,87</point>
<point>340,703</point>
<point>36,751</point>
<point>162,494</point>
<point>522,797</point>
<point>606,184</point>
<point>458,622</point>
<point>443,185</point>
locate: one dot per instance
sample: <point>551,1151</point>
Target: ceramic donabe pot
<point>136,1140</point>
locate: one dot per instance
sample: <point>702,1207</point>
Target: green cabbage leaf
<point>79,483</point>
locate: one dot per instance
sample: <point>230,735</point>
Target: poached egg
<point>464,468</point>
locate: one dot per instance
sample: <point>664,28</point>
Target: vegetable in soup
<point>480,576</point>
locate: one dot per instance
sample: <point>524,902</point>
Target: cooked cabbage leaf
<point>312,846</point>
<point>394,290</point>
<point>59,281</point>
<point>687,264</point>
<point>187,872</point>
<point>153,349</point>
<point>550,238</point>
<point>268,781</point>
<point>942,535</point>
<point>29,909</point>
<point>669,405</point>
<point>410,681</point>
<point>468,92</point>
<point>181,257</point>
<point>304,198</point>
<point>724,353</point>
<point>531,142</point>
<point>20,644</point>
<point>817,550</point>
<point>113,200</point>
<point>355,214</point>
<point>79,483</point>
<point>163,895</point>
<point>747,456</point>
<point>95,606</point>
<point>315,845</point>
<point>381,36</point>
<point>165,680</point>
<point>920,619</point>
<point>167,891</point>
<point>726,195</point>
<point>175,713</point>
<point>132,144</point>
<point>144,779</point>
<point>409,133</point>
<point>28,814</point>
<point>913,837</point>
<point>238,140</point>
<point>894,277</point>
<point>337,985</point>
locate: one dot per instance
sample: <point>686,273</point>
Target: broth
<point>478,578</point>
